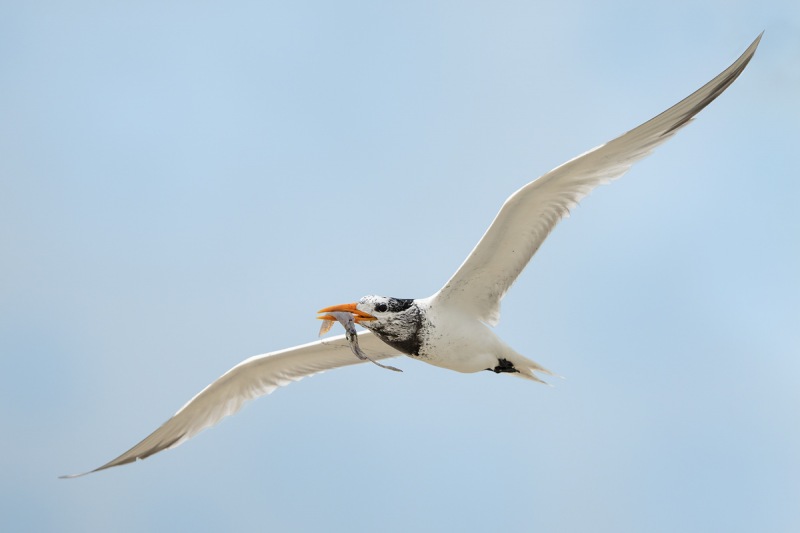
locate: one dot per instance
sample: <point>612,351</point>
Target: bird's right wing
<point>528,215</point>
<point>250,379</point>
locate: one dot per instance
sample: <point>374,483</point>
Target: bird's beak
<point>358,316</point>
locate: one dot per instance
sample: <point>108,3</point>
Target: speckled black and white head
<point>395,320</point>
<point>383,306</point>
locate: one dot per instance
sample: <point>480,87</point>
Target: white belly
<point>460,343</point>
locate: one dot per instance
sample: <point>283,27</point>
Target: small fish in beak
<point>348,319</point>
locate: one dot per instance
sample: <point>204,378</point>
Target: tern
<point>452,328</point>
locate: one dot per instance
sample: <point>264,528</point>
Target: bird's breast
<point>453,340</point>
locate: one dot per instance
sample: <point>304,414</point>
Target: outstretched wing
<point>250,379</point>
<point>528,215</point>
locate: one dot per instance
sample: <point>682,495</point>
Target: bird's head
<point>396,321</point>
<point>374,312</point>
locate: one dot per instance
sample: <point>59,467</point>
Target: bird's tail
<point>528,368</point>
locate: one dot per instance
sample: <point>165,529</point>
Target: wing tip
<point>717,86</point>
<point>108,465</point>
<point>73,476</point>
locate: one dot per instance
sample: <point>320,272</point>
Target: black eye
<point>381,308</point>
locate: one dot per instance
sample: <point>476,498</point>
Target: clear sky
<point>183,184</point>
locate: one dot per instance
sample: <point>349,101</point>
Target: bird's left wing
<point>250,379</point>
<point>528,215</point>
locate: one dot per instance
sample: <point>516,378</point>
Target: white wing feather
<point>528,215</point>
<point>250,379</point>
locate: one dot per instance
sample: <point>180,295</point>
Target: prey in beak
<point>347,315</point>
<point>358,316</point>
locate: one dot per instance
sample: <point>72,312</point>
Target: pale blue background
<point>183,184</point>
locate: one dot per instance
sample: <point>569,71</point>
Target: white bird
<point>451,328</point>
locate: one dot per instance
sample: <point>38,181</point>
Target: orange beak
<point>359,316</point>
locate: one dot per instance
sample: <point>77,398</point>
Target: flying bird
<point>452,328</point>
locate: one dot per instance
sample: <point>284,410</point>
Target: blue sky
<point>183,184</point>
